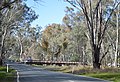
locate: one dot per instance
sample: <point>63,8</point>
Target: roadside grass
<point>115,77</point>
<point>7,77</point>
<point>65,69</point>
<point>111,74</point>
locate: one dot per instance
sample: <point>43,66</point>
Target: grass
<point>3,68</point>
<point>115,77</point>
<point>111,74</point>
<point>56,68</point>
<point>7,77</point>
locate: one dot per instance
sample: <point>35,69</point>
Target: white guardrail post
<point>7,68</point>
<point>17,76</point>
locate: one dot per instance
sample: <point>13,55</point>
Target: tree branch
<point>5,5</point>
<point>105,24</point>
<point>96,8</point>
<point>105,54</point>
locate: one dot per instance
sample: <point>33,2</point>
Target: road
<point>27,73</point>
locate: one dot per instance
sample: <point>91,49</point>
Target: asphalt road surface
<point>27,73</point>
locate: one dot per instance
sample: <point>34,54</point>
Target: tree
<point>117,38</point>
<point>27,38</point>
<point>13,18</point>
<point>55,41</point>
<point>7,3</point>
<point>79,42</point>
<point>8,17</point>
<point>96,22</point>
<point>113,35</point>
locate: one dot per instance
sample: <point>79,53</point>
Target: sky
<point>49,11</point>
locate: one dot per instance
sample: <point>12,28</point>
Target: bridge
<point>59,63</point>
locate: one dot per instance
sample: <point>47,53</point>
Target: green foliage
<point>70,41</point>
<point>75,58</point>
<point>16,18</point>
<point>57,37</point>
<point>4,75</point>
<point>4,69</point>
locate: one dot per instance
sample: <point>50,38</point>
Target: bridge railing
<point>60,63</point>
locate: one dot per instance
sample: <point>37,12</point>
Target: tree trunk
<point>117,38</point>
<point>21,49</point>
<point>1,55</point>
<point>21,52</point>
<point>1,62</point>
<point>96,57</point>
<point>2,46</point>
<point>96,65</point>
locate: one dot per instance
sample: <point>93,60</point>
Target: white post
<point>7,68</point>
<point>17,76</point>
<point>73,68</point>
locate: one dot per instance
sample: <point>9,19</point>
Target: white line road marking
<point>70,81</point>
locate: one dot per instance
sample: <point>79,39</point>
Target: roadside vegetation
<point>89,34</point>
<point>7,77</point>
<point>115,77</point>
<point>111,74</point>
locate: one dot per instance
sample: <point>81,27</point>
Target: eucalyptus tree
<point>7,3</point>
<point>28,39</point>
<point>113,35</point>
<point>96,22</point>
<point>33,35</point>
<point>117,51</point>
<point>75,20</point>
<point>49,42</point>
<point>55,40</point>
<point>8,17</point>
<point>11,47</point>
<point>14,18</point>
